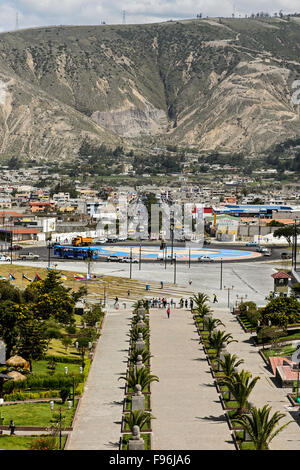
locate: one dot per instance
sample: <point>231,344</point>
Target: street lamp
<point>228,291</point>
<point>172,234</point>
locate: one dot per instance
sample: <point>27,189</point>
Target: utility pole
<point>175,269</point>
<point>221,274</point>
<point>189,258</point>
<point>140,257</point>
<point>172,235</point>
<point>130,264</point>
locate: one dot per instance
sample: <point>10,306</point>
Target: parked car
<point>207,259</point>
<point>17,247</point>
<point>126,259</point>
<point>252,244</point>
<point>113,258</point>
<point>5,258</point>
<point>28,256</point>
<point>101,241</point>
<point>286,255</point>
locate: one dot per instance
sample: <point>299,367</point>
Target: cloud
<point>55,12</point>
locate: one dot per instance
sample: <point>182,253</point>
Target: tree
<point>9,325</point>
<point>296,289</point>
<point>66,342</point>
<point>211,324</point>
<point>92,316</point>
<point>218,339</point>
<point>240,387</point>
<point>141,377</point>
<point>137,418</point>
<point>281,311</point>
<point>32,342</point>
<point>229,364</point>
<point>287,232</point>
<point>261,427</point>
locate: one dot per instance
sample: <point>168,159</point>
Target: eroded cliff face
<point>133,122</point>
<point>213,84</point>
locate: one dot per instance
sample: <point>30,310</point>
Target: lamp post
<point>140,257</point>
<point>130,264</point>
<point>189,258</point>
<point>172,235</point>
<point>221,274</point>
<point>228,292</point>
<point>175,269</point>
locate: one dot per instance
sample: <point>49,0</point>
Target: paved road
<point>98,422</point>
<point>184,401</point>
<point>266,390</point>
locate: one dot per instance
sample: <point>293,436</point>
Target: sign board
<point>49,225</point>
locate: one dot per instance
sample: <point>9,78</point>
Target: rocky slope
<point>216,84</point>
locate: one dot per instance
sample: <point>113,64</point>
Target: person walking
<point>128,293</point>
<point>161,284</point>
<point>191,304</point>
<point>12,427</point>
<point>186,303</point>
<point>168,312</point>
<point>215,298</point>
<point>181,303</point>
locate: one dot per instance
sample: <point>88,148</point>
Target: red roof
<point>281,275</point>
<point>10,214</point>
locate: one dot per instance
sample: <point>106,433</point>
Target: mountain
<point>216,84</point>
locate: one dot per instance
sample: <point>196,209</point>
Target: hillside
<point>216,84</point>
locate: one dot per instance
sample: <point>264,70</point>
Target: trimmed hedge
<point>67,360</point>
<point>42,382</point>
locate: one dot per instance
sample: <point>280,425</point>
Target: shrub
<point>44,443</point>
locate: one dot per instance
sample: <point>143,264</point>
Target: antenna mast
<point>124,16</point>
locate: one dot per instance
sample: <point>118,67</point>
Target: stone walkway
<point>266,390</point>
<point>97,424</point>
<point>185,402</point>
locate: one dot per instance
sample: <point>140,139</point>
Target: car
<point>5,258</point>
<point>207,259</point>
<point>262,249</point>
<point>17,247</point>
<point>112,240</point>
<point>286,256</point>
<point>252,244</point>
<point>126,259</point>
<point>28,256</point>
<point>206,242</point>
<point>266,252</point>
<point>101,241</point>
<point>113,258</point>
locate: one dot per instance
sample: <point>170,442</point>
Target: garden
<point>49,351</point>
<point>253,428</point>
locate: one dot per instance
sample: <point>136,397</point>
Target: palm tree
<point>145,356</point>
<point>218,339</point>
<point>139,329</point>
<point>141,377</point>
<point>211,324</point>
<point>137,418</point>
<point>200,299</point>
<point>229,364</point>
<point>261,427</point>
<point>240,386</point>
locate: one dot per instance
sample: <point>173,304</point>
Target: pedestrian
<point>171,302</point>
<point>186,303</point>
<point>159,303</point>
<point>190,282</point>
<point>128,293</point>
<point>181,303</point>
<point>191,304</point>
<point>161,284</point>
<point>168,312</point>
<point>215,298</point>
<point>12,427</point>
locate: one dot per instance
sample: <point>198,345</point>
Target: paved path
<point>185,402</point>
<point>266,390</point>
<point>97,425</point>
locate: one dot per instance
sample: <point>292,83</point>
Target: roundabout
<point>182,253</point>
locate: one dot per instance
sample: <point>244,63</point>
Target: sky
<point>33,13</point>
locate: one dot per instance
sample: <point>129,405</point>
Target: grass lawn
<point>36,414</point>
<point>22,442</point>
<point>292,334</point>
<point>56,348</point>
<point>285,351</point>
<point>126,438</point>
<point>40,367</point>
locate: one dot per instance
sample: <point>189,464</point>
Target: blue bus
<point>76,252</point>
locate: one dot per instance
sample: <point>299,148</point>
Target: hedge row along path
<point>184,401</point>
<point>97,423</point>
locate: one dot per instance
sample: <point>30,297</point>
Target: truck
<point>81,241</point>
<point>29,256</point>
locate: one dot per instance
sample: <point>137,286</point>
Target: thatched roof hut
<point>16,375</point>
<point>16,361</point>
